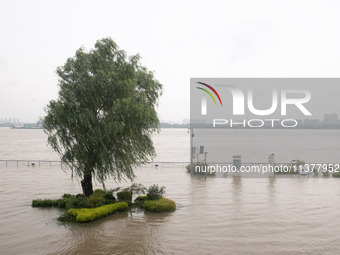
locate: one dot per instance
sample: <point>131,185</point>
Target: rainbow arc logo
<point>209,93</point>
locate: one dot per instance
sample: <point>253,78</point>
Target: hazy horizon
<point>177,40</point>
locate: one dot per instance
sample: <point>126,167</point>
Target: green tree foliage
<point>102,121</point>
<point>154,192</point>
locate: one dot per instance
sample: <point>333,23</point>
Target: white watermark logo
<point>243,102</point>
<point>239,101</point>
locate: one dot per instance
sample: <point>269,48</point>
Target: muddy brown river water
<point>213,216</point>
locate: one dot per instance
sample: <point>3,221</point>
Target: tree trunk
<point>86,184</point>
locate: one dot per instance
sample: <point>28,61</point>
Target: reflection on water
<point>237,188</point>
<point>119,234</point>
<point>271,188</point>
<point>214,215</point>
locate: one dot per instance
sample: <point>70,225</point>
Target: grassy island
<point>101,203</point>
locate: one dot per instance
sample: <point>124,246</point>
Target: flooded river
<point>213,216</point>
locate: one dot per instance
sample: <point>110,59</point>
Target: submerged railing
<point>313,168</point>
<point>39,162</point>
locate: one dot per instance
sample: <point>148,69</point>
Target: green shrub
<point>99,192</point>
<point>80,195</point>
<point>109,196</point>
<point>140,200</point>
<point>336,174</point>
<point>43,203</point>
<point>80,202</point>
<point>87,215</point>
<point>60,203</point>
<point>155,192</point>
<point>96,200</point>
<point>161,205</point>
<point>68,200</point>
<point>48,203</point>
<point>72,201</point>
<point>325,173</point>
<point>124,196</point>
<point>66,196</point>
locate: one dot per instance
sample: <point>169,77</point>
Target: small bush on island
<point>160,205</point>
<point>325,172</point>
<point>139,201</point>
<point>336,174</point>
<point>99,192</point>
<point>109,196</point>
<point>97,199</point>
<point>84,215</point>
<point>154,201</point>
<point>155,192</point>
<point>124,195</point>
<point>77,201</point>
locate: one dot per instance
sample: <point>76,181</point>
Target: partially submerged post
<point>271,163</point>
<point>191,149</point>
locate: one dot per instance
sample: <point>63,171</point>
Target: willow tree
<point>102,121</point>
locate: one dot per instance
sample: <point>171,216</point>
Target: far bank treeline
<point>40,125</point>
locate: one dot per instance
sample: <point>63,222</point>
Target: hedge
<point>336,174</point>
<point>160,205</point>
<point>124,196</point>
<point>90,214</point>
<point>141,199</point>
<point>48,203</point>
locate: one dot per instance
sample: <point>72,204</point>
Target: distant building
<point>330,119</point>
<point>312,123</point>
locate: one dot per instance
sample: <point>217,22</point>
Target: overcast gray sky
<point>176,39</point>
